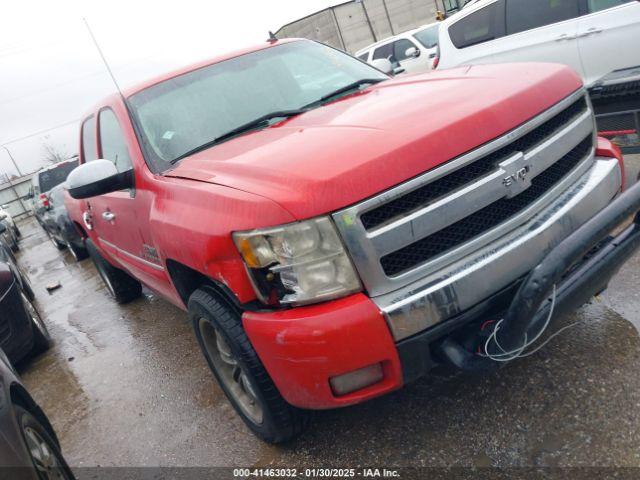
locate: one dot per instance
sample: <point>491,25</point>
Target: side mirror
<point>412,52</point>
<point>383,64</point>
<point>97,178</point>
<point>3,228</point>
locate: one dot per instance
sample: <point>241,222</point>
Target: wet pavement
<point>127,386</point>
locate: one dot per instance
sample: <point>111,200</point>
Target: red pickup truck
<point>334,233</point>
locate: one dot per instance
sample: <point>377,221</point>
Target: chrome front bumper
<point>463,284</point>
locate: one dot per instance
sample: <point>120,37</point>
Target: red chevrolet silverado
<point>334,233</point>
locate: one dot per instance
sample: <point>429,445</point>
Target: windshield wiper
<point>262,121</point>
<point>346,89</point>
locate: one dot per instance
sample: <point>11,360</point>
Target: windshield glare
<point>188,111</point>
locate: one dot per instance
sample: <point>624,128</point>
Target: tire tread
<point>289,421</point>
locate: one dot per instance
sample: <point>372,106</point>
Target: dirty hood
<point>365,143</point>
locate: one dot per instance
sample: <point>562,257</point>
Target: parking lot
<point>128,386</point>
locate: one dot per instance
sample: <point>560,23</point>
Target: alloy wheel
<point>47,463</point>
<point>231,372</point>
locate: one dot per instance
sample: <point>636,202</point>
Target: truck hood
<point>365,143</point>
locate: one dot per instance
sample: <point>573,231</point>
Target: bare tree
<point>52,154</point>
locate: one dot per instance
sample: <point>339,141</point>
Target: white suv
<point>412,51</point>
<point>594,37</point>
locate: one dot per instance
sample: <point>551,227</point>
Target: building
<point>14,195</point>
<point>356,24</point>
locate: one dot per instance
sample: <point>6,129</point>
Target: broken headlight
<point>298,263</point>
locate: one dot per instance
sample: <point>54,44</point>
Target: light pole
<point>15,192</point>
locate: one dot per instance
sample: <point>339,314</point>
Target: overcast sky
<point>51,73</point>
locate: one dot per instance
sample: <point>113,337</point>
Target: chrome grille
<point>433,220</point>
<point>485,219</point>
<point>444,186</point>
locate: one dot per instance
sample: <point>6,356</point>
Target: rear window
<point>477,27</point>
<point>51,178</point>
<point>525,15</point>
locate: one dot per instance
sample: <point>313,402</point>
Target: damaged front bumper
<point>579,267</point>
<point>468,282</point>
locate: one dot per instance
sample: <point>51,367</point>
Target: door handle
<point>564,36</point>
<point>591,31</point>
<point>108,216</point>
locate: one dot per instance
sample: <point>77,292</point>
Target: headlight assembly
<point>298,263</point>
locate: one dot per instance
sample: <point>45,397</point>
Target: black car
<point>8,236</point>
<point>60,228</point>
<point>22,331</point>
<point>29,447</point>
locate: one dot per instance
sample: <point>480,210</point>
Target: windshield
<point>51,178</point>
<point>428,36</point>
<point>185,112</point>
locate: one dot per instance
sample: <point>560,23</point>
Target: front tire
<point>41,338</point>
<point>78,253</point>
<point>239,371</point>
<point>122,286</point>
<point>43,450</point>
<point>56,243</point>
<point>15,247</point>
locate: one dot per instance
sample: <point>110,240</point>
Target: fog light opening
<point>356,380</point>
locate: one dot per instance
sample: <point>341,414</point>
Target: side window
<point>597,5</point>
<point>428,37</point>
<point>526,15</point>
<point>89,140</point>
<point>385,51</point>
<point>400,47</point>
<point>112,142</point>
<point>451,6</point>
<point>364,56</point>
<point>477,27</point>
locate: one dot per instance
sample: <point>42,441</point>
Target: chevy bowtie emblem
<point>518,178</point>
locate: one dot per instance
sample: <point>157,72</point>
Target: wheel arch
<point>80,230</point>
<point>20,396</point>
<point>187,280</point>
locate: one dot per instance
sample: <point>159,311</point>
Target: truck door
<point>114,215</point>
<point>540,31</point>
<point>609,37</point>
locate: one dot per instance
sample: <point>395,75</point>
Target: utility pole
<point>15,192</point>
<point>15,165</point>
